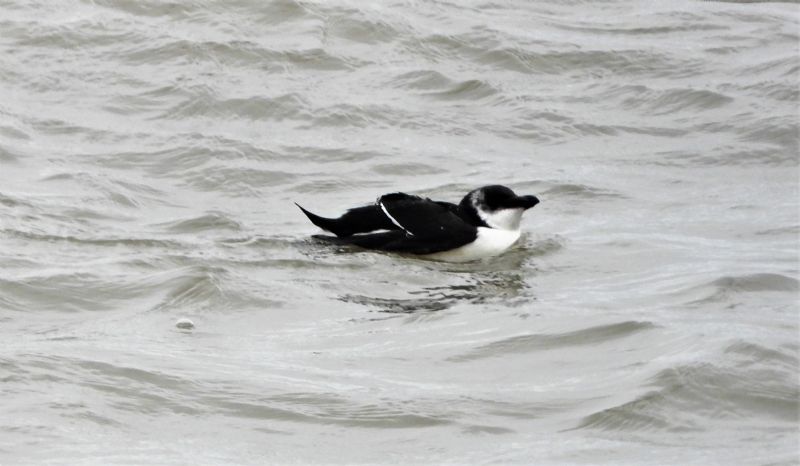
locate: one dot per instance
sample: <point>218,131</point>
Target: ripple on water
<point>545,342</point>
<point>544,247</point>
<point>728,289</point>
<point>7,156</point>
<point>193,153</point>
<point>210,221</point>
<point>94,241</point>
<point>337,186</point>
<point>401,306</point>
<point>197,287</point>
<point>120,127</point>
<point>407,169</point>
<point>580,191</point>
<point>328,155</point>
<point>9,200</point>
<point>190,287</point>
<point>150,8</point>
<point>14,133</point>
<point>205,104</point>
<point>421,80</point>
<point>236,181</point>
<point>472,90</point>
<point>320,408</point>
<point>776,131</point>
<point>348,25</point>
<point>668,101</point>
<point>123,387</point>
<point>631,62</point>
<point>750,383</point>
<point>370,115</point>
<point>72,292</point>
<point>757,282</point>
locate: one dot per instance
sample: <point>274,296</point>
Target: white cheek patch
<point>503,219</point>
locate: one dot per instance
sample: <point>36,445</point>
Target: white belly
<point>490,242</point>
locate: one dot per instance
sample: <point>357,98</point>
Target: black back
<point>430,226</point>
<point>415,225</point>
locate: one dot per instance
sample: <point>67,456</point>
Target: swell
<point>210,221</point>
<point>208,165</point>
<point>169,131</point>
<point>204,103</point>
<point>297,111</point>
<point>320,408</point>
<point>241,54</point>
<point>665,101</point>
<point>545,342</point>
<point>579,191</point>
<point>480,50</point>
<point>126,389</point>
<point>193,151</point>
<point>748,382</point>
<point>756,282</point>
<point>733,288</point>
<point>192,288</point>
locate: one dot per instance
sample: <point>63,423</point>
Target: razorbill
<point>485,223</point>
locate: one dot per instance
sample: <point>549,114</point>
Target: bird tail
<point>327,224</point>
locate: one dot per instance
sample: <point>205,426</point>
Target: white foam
<point>184,324</point>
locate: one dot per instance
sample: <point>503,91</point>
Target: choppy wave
<point>527,343</point>
<point>151,152</point>
<point>684,398</point>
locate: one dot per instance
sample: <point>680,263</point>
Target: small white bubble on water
<point>184,324</point>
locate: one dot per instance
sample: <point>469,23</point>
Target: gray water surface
<point>150,154</point>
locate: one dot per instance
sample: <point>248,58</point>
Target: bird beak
<point>526,202</point>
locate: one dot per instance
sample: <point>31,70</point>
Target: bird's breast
<point>489,242</point>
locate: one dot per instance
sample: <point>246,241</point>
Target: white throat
<point>503,219</point>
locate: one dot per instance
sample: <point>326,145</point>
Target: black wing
<point>429,226</point>
<point>416,225</point>
<point>354,221</point>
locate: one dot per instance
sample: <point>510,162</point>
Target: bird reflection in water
<point>498,281</point>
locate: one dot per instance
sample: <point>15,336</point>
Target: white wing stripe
<point>383,208</point>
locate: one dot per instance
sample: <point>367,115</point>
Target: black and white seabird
<point>485,223</point>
